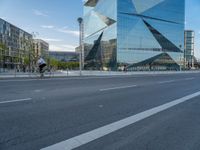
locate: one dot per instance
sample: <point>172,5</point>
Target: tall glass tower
<point>134,34</point>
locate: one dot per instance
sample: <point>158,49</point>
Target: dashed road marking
<point>117,88</point>
<point>17,100</point>
<point>169,81</point>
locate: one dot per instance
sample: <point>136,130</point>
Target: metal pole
<point>1,59</point>
<point>4,60</point>
<point>80,21</point>
<point>181,59</point>
<point>82,44</point>
<point>29,65</point>
<point>15,70</point>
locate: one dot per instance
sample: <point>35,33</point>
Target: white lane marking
<point>169,81</point>
<point>17,100</point>
<point>189,78</point>
<point>87,137</point>
<point>117,88</point>
<point>37,91</point>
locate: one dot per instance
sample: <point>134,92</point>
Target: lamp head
<point>80,20</point>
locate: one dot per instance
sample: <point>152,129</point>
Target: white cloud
<point>39,13</point>
<point>69,46</point>
<point>67,31</point>
<point>51,39</point>
<point>47,26</point>
<point>65,47</point>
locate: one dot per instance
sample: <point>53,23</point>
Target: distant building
<point>41,48</point>
<point>189,48</point>
<point>18,45</point>
<point>77,49</point>
<point>64,56</point>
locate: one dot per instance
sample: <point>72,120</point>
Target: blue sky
<point>51,20</point>
<point>55,20</point>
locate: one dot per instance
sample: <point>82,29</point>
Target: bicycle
<point>42,71</point>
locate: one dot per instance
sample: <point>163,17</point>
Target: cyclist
<point>42,64</point>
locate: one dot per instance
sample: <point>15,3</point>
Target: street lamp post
<point>181,62</point>
<point>80,21</point>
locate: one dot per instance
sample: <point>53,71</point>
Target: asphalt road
<point>36,114</point>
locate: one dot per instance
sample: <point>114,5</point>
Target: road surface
<point>144,112</point>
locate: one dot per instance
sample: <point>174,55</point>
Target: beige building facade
<point>41,48</point>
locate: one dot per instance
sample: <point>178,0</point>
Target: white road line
<point>189,78</point>
<point>169,81</point>
<point>85,138</point>
<point>117,88</point>
<point>17,100</point>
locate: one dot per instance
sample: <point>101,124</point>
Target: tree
<point>63,65</point>
<point>26,60</point>
<point>68,65</point>
<point>53,63</point>
<point>27,54</point>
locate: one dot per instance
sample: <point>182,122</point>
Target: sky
<point>55,21</point>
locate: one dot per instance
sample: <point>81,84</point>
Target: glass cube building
<point>134,34</point>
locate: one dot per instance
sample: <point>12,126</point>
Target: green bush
<point>62,65</point>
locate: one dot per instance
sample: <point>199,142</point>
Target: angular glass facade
<point>137,34</point>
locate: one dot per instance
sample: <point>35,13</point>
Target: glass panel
<point>100,31</point>
<point>107,8</point>
<point>126,6</point>
<point>144,5</point>
<point>93,23</point>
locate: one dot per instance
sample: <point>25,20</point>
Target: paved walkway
<point>88,73</point>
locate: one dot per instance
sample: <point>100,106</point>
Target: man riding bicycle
<point>42,64</point>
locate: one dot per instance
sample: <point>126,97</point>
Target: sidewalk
<point>30,75</point>
<point>88,73</point>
